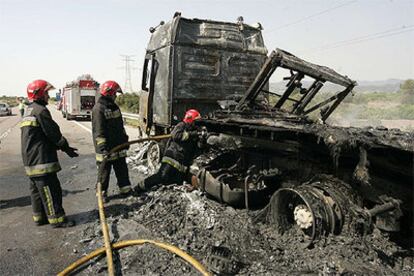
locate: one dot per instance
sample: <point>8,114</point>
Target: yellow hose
<point>153,138</point>
<point>127,243</point>
<point>105,230</point>
<point>108,246</point>
<point>104,225</point>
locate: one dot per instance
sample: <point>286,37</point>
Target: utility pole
<point>127,67</point>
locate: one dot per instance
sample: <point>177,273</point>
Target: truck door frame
<point>147,88</point>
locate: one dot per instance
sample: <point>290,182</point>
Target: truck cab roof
<point>208,33</point>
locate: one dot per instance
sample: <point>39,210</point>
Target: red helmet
<point>191,115</point>
<point>37,89</point>
<point>110,88</point>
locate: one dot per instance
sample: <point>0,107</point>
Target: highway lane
<point>26,249</point>
<point>7,123</point>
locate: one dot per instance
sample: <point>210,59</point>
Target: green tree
<point>128,102</point>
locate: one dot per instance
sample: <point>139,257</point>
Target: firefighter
<point>179,154</point>
<point>109,132</point>
<point>41,138</point>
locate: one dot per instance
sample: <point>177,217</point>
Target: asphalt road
<point>26,249</point>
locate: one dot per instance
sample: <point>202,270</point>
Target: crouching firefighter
<point>41,138</point>
<point>179,153</point>
<point>109,132</point>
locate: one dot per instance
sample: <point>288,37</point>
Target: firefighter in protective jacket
<point>109,132</point>
<point>179,154</point>
<point>41,138</point>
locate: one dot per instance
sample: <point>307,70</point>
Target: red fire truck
<point>78,98</point>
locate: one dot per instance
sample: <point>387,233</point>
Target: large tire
<point>154,155</point>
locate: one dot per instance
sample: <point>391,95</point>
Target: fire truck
<point>78,98</point>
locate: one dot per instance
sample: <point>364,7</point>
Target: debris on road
<point>196,224</point>
<point>276,190</point>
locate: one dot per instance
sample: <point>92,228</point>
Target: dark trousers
<point>46,196</point>
<point>121,173</point>
<point>166,175</point>
<point>21,112</point>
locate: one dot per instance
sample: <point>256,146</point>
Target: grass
<point>381,106</point>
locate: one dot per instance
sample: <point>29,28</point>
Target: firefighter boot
<point>140,187</point>
<point>125,191</point>
<point>64,224</point>
<point>41,222</point>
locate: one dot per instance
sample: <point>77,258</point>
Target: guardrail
<point>130,116</point>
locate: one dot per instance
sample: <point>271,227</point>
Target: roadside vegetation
<point>10,100</point>
<point>128,102</point>
<point>380,105</point>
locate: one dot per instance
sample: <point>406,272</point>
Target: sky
<point>61,39</point>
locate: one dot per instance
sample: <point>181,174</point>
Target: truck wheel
<point>154,155</point>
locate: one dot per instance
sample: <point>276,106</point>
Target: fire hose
<point>118,245</point>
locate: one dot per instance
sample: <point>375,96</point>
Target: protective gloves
<point>71,152</point>
<point>203,133</point>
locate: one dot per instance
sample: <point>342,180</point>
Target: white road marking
<point>82,126</point>
<point>4,134</point>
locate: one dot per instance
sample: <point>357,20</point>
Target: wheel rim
<point>153,157</point>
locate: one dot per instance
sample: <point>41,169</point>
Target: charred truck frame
<point>316,179</point>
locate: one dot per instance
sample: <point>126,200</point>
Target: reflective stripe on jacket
<point>113,156</point>
<point>42,169</point>
<point>107,127</point>
<point>40,140</point>
<point>174,163</point>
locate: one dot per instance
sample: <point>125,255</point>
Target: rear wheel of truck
<point>154,156</point>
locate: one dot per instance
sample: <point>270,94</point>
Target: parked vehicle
<point>79,97</point>
<point>5,109</point>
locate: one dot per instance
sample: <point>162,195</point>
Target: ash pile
<point>227,240</point>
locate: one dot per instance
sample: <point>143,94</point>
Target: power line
<point>363,38</point>
<point>310,16</point>
<point>373,38</point>
<point>383,34</point>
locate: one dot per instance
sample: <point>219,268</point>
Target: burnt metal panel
<point>299,69</point>
<point>161,103</point>
<point>203,76</point>
<point>199,63</point>
<point>289,61</point>
<point>206,73</point>
<point>162,37</point>
<point>222,35</point>
<point>207,33</point>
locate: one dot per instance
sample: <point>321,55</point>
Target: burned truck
<point>192,63</point>
<point>316,178</point>
<point>274,151</point>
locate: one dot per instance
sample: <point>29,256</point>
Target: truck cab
<point>194,63</point>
